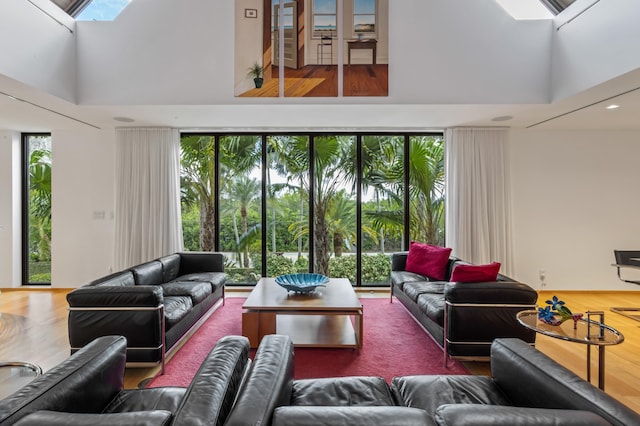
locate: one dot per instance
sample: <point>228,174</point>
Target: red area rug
<point>394,345</point>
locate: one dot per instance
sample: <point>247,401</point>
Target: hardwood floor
<point>322,81</point>
<point>33,328</point>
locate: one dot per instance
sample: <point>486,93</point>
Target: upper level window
<point>324,18</point>
<point>364,17</point>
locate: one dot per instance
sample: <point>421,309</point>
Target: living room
<point>571,162</point>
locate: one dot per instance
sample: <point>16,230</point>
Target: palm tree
<point>426,189</point>
<point>244,191</point>
<point>197,160</point>
<point>384,172</point>
<point>288,157</point>
<point>40,203</point>
<point>238,156</point>
<point>39,207</point>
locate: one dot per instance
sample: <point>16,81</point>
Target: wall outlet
<point>543,278</point>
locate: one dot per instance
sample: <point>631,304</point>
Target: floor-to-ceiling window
<point>36,207</point>
<point>336,204</point>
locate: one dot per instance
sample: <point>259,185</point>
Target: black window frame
<point>312,136</point>
<point>25,195</point>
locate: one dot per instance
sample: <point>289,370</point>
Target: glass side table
<point>586,331</point>
<point>14,375</point>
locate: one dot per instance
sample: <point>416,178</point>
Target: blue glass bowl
<point>301,283</point>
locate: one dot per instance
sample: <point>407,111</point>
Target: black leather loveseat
<point>87,389</point>
<point>153,305</point>
<point>463,318</point>
<point>526,388</point>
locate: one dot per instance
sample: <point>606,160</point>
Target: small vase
<point>576,318</point>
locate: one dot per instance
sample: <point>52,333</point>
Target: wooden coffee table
<point>329,317</point>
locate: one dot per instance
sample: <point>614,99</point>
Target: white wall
<point>575,200</point>
<point>83,206</point>
<point>36,49</point>
<point>596,46</point>
<point>160,52</point>
<point>10,209</point>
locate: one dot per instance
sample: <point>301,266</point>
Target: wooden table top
<point>337,295</point>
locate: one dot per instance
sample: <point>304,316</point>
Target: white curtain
<point>478,201</point>
<point>148,223</point>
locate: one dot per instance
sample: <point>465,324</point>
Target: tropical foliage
<point>330,181</point>
<point>39,187</point>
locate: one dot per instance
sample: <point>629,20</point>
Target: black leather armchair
<point>526,388</point>
<point>87,388</point>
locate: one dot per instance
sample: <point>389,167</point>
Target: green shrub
<point>375,268</point>
<point>279,265</point>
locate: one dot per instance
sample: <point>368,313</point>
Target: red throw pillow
<point>475,273</point>
<point>427,259</point>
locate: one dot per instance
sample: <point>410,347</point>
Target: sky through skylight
<point>102,10</point>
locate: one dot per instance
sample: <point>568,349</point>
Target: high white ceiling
<point>37,111</point>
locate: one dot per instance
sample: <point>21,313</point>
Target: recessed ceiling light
<point>613,106</point>
<point>124,119</point>
<point>502,118</point>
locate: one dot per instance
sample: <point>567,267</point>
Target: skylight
<point>534,9</point>
<point>557,6</point>
<point>525,9</point>
<point>93,10</point>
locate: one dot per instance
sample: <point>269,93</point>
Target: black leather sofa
<point>154,304</point>
<point>87,389</point>
<point>526,388</point>
<point>463,318</point>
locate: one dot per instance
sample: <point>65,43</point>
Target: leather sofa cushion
<point>170,267</point>
<point>57,418</point>
<point>176,308</point>
<point>191,262</point>
<point>343,391</point>
<point>430,392</point>
<point>433,306</point>
<point>164,398</point>
<point>400,278</point>
<point>197,291</point>
<point>149,273</point>
<point>491,415</point>
<point>216,279</point>
<point>413,290</point>
<point>352,416</point>
<point>119,279</point>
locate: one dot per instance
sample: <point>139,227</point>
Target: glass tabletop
<point>14,375</point>
<point>583,331</point>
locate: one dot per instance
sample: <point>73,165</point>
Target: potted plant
<point>256,71</point>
